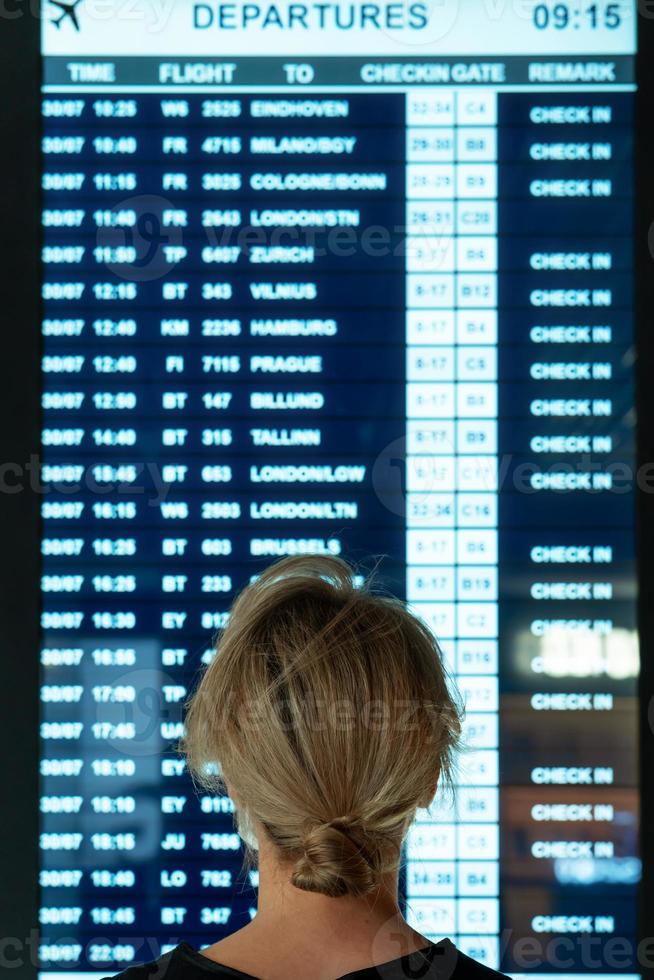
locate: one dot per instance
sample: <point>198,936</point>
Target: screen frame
<point>20,424</point>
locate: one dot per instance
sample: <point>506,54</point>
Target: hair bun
<point>333,862</point>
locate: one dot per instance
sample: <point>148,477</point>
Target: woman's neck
<point>299,934</point>
<point>279,900</point>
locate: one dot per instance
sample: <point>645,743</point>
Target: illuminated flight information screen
<point>352,279</point>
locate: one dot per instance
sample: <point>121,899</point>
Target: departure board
<point>352,279</point>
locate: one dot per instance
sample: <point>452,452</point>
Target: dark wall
<point>645,407</point>
<point>19,507</point>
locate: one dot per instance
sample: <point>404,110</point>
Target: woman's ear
<point>429,796</point>
<point>228,790</point>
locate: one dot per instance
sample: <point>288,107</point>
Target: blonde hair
<point>326,711</point>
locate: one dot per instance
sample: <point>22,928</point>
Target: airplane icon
<point>68,10</point>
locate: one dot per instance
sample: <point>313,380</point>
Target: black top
<point>441,961</point>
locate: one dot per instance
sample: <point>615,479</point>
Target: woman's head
<point>327,714</point>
